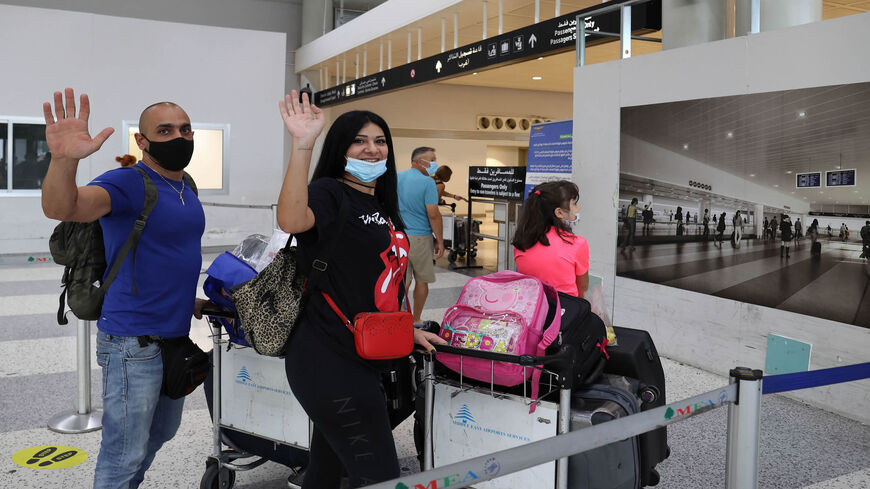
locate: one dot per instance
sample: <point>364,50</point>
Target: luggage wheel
<point>211,478</point>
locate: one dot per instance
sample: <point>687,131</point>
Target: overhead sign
<point>840,178</point>
<point>809,180</point>
<point>550,146</point>
<point>547,37</point>
<point>497,182</point>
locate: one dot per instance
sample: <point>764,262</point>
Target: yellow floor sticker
<point>49,457</point>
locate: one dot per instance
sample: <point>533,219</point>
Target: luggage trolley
<point>253,412</point>
<point>474,419</point>
<point>455,235</point>
<point>462,418</point>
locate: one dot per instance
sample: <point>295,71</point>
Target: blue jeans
<point>137,419</point>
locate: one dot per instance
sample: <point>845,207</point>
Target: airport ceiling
<point>635,185</point>
<point>768,138</point>
<point>555,72</point>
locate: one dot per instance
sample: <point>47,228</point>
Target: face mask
<point>573,222</point>
<point>365,171</point>
<point>433,165</point>
<point>172,155</point>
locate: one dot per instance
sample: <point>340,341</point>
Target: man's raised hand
<point>67,135</point>
<point>304,121</point>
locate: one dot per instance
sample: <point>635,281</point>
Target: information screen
<point>840,178</point>
<point>809,180</point>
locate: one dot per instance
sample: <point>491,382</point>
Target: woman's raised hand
<point>304,121</point>
<point>68,136</point>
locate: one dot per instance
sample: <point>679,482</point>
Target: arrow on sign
<point>532,40</point>
<point>383,81</point>
<point>438,66</point>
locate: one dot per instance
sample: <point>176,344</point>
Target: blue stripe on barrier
<point>814,378</point>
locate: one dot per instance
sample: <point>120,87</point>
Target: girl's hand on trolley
<point>427,339</point>
<point>303,121</point>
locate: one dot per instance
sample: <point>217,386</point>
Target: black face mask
<point>173,155</point>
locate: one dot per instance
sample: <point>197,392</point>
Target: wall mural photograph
<point>762,198</point>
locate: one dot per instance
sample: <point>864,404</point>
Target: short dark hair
<point>538,214</point>
<point>146,109</point>
<point>419,151</point>
<point>332,160</point>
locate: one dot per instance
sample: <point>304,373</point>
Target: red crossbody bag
<point>379,335</point>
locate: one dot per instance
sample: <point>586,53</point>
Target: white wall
<point>705,331</point>
<point>125,64</point>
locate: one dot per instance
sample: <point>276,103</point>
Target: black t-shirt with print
<point>365,270</point>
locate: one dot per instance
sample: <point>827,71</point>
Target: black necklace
<point>357,183</point>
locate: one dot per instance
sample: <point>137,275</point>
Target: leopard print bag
<point>270,304</point>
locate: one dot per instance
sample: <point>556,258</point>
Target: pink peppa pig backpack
<point>503,312</point>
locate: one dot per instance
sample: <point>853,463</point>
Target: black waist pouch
<point>185,366</point>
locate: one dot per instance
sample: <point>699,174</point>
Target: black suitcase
<point>585,331</point>
<point>613,466</point>
<point>816,249</point>
<point>635,356</point>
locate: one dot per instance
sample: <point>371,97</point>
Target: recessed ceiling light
<point>536,78</point>
<point>788,172</point>
<point>752,174</point>
<point>540,57</point>
<point>776,185</point>
<point>729,135</point>
<point>685,145</point>
<point>838,167</point>
<point>802,114</point>
<point>855,191</point>
<point>821,192</point>
<point>792,191</point>
<point>474,73</point>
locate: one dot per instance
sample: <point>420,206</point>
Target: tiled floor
<point>800,447</point>
<point>833,286</point>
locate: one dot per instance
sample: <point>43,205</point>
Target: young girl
<point>544,246</point>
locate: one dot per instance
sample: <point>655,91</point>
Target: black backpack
<point>79,247</point>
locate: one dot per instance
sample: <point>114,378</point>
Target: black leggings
<point>345,400</point>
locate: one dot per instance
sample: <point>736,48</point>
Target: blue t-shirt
<point>167,260</point>
<point>416,191</point>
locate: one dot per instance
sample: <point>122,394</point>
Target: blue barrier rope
<point>814,378</point>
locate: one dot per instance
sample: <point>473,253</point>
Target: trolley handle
<point>562,362</point>
<point>220,313</point>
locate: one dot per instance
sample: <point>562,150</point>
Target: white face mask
<point>573,222</point>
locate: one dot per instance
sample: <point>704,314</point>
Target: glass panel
<point>30,156</point>
<point>207,164</point>
<point>4,181</point>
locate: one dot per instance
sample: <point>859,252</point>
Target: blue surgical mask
<point>433,165</point>
<point>365,171</point>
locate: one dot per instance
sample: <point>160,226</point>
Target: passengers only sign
<point>497,182</point>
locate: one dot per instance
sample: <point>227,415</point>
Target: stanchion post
<point>429,384</point>
<point>275,216</point>
<point>82,419</point>
<point>741,471</point>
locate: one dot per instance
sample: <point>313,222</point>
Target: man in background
<point>418,204</point>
